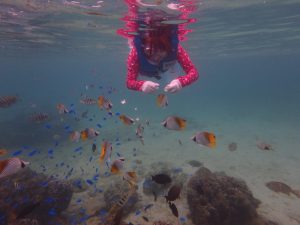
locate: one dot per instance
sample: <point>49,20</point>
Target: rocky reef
<point>28,197</point>
<point>217,199</point>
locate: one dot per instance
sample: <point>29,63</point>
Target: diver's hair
<point>158,37</point>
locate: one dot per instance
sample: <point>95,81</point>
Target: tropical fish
<point>94,147</point>
<point>126,120</point>
<point>173,193</point>
<point>61,108</point>
<point>282,187</point>
<point>75,136</point>
<point>88,133</point>
<point>88,101</point>
<point>3,151</point>
<point>139,133</point>
<point>104,103</point>
<point>162,100</point>
<point>106,150</point>
<point>264,146</point>
<point>174,123</point>
<point>173,209</point>
<point>7,101</point>
<point>11,166</point>
<point>205,138</point>
<point>130,176</point>
<point>162,178</point>
<point>39,117</point>
<point>117,165</point>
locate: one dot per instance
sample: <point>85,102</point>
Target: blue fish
<point>99,125</point>
<point>118,154</point>
<point>89,182</point>
<point>78,149</point>
<point>50,151</point>
<point>52,212</point>
<point>48,126</point>
<point>103,212</point>
<point>44,184</point>
<point>49,200</point>
<point>117,114</point>
<point>182,219</point>
<point>91,158</point>
<point>17,153</point>
<point>32,153</point>
<point>67,127</point>
<point>138,212</point>
<point>118,143</point>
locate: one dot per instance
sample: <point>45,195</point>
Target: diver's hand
<point>149,86</point>
<point>173,86</point>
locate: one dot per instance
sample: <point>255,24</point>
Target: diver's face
<point>155,56</point>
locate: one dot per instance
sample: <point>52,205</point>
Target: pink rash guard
<point>183,59</point>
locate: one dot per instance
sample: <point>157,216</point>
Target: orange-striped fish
<point>106,150</point>
<point>205,138</point>
<point>117,165</point>
<point>7,101</point>
<point>126,120</point>
<point>104,103</point>
<point>61,108</point>
<point>11,166</point>
<point>88,101</point>
<point>3,151</point>
<point>174,123</point>
<point>162,100</point>
<point>39,117</point>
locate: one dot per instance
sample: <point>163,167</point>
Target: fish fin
<point>193,138</point>
<point>164,123</point>
<point>181,122</point>
<point>296,192</point>
<point>114,169</point>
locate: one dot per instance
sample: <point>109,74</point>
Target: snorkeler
<point>155,51</point>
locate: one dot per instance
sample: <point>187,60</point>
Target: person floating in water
<point>155,50</point>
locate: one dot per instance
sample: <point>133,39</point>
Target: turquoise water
<point>247,54</point>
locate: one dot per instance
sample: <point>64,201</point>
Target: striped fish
<point>6,101</point>
<point>88,101</point>
<point>39,117</point>
<point>11,166</point>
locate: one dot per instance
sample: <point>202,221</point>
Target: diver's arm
<point>188,67</point>
<point>133,71</point>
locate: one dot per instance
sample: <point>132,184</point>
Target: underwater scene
<point>149,112</point>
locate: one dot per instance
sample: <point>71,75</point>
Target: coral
<point>217,199</point>
<point>28,195</point>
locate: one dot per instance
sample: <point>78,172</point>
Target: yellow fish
<point>126,120</point>
<point>205,138</point>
